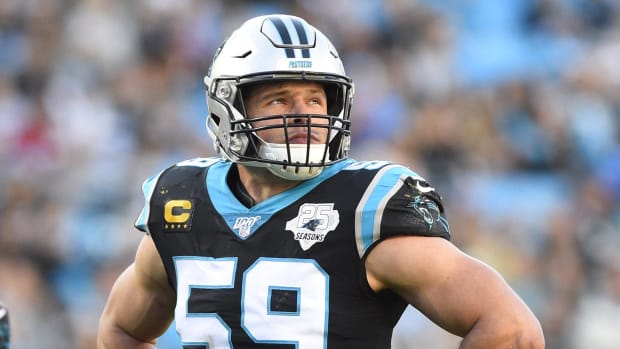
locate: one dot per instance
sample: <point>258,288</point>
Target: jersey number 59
<point>305,325</point>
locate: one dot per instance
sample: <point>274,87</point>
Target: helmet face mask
<point>270,49</point>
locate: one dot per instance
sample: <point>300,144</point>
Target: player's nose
<point>301,107</point>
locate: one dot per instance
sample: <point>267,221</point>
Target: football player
<point>5,329</point>
<point>284,241</point>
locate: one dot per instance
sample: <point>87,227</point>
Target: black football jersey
<point>289,271</point>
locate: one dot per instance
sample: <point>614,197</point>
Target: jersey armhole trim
<point>148,187</point>
<point>369,211</point>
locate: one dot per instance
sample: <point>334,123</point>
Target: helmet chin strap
<point>296,170</point>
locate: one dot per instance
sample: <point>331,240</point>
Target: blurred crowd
<point>511,109</point>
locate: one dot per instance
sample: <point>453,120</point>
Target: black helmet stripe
<point>286,36</point>
<point>303,38</point>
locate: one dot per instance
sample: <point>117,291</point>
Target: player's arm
<point>459,293</point>
<point>140,307</point>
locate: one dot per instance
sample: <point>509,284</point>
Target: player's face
<point>289,97</point>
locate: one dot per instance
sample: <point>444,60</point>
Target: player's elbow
<point>516,333</point>
<point>527,335</point>
<point>528,340</point>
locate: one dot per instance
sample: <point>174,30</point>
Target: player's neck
<point>261,184</point>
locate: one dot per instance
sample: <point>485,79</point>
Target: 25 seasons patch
<point>312,223</point>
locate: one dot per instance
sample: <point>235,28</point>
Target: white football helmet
<point>272,48</point>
